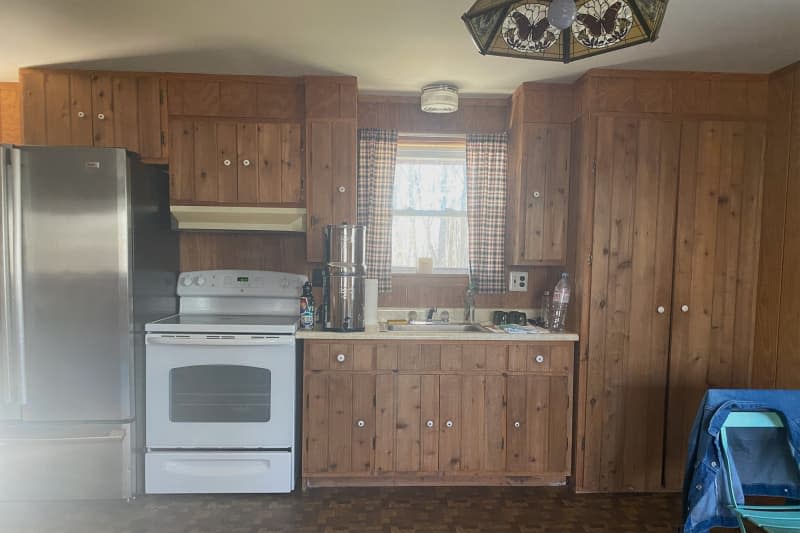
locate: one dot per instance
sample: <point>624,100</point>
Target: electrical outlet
<point>518,282</point>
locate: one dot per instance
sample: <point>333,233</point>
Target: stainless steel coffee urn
<point>343,281</point>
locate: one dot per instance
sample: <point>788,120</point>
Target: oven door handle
<point>219,340</point>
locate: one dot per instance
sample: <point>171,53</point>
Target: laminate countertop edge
<point>435,336</point>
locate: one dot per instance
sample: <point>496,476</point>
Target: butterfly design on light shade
<point>527,29</point>
<point>600,23</point>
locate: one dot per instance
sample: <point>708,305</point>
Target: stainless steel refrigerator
<point>88,256</point>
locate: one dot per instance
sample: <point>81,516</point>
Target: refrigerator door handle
<point>12,304</point>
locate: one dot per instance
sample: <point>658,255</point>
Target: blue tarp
<point>765,461</point>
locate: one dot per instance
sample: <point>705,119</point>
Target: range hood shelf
<point>231,218</point>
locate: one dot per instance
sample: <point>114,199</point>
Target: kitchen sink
<point>438,328</point>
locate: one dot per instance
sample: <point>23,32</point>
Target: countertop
<point>378,335</point>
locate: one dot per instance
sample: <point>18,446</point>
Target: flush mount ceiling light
<point>439,98</point>
<point>562,30</point>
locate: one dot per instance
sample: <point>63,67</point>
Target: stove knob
<point>186,281</point>
<point>200,281</point>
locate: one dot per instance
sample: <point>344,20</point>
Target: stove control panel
<point>257,283</point>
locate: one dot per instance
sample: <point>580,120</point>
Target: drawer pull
<point>540,359</point>
<point>429,423</point>
<point>361,423</point>
<point>246,162</point>
<point>226,162</point>
<point>449,423</point>
<point>517,425</point>
<point>101,116</point>
<point>341,357</point>
<point>81,114</point>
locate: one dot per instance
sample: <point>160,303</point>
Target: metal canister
<point>345,244</point>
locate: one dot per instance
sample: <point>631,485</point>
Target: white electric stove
<point>221,385</point>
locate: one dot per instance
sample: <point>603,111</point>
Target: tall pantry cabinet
<point>668,180</point>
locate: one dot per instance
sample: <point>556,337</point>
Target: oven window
<point>219,393</point>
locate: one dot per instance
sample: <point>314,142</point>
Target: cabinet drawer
<point>339,356</point>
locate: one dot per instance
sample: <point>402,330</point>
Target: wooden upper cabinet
<point>331,164</point>
<point>10,110</point>
<point>235,163</point>
<point>277,99</point>
<point>94,109</point>
<point>538,194</point>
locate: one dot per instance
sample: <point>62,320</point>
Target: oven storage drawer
<point>218,472</point>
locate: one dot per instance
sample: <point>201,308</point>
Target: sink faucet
<point>429,313</point>
<point>469,304</point>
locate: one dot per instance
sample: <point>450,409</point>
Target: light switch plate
<point>518,281</point>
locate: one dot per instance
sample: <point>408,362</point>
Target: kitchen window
<point>430,204</point>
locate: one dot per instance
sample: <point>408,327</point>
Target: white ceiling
<point>392,46</point>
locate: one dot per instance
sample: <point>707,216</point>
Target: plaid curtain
<point>487,164</point>
<point>377,155</point>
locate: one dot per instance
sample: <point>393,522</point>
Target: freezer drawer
<point>72,462</point>
<point>218,472</point>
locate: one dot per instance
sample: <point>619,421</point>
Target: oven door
<point>220,391</point>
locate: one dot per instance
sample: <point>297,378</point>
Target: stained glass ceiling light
<point>520,28</point>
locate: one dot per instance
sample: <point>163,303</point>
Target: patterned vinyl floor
<point>390,510</point>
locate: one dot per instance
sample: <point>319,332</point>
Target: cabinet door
<point>227,162</point>
<point>150,103</point>
<point>631,279</point>
<point>247,169</point>
<point>715,272</point>
<point>81,121</point>
<point>543,191</point>
<point>206,169</point>
<point>181,160</point>
<point>125,116</point>
<point>57,105</point>
<point>103,110</point>
<point>269,163</point>
<point>34,130</point>
<point>331,179</point>
<point>339,422</point>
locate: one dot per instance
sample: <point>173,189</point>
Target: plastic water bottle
<point>558,311</point>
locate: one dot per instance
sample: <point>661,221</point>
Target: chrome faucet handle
<point>429,313</point>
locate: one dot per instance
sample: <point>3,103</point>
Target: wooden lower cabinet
<point>408,413</point>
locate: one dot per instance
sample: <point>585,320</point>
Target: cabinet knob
<point>449,423</point>
<point>361,423</point>
<point>81,114</point>
<point>660,310</point>
<point>540,359</point>
<point>536,194</point>
<point>685,308</point>
<point>226,162</point>
<point>341,357</point>
<point>429,423</point>
<point>246,162</point>
<point>517,425</point>
<point>101,116</point>
<point>341,189</point>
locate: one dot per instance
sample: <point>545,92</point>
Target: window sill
<point>434,275</point>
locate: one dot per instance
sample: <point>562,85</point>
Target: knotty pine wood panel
<point>257,251</point>
<point>57,118</point>
<point>363,410</point>
<point>788,362</point>
<point>34,112</point>
<point>402,113</point>
<point>547,103</point>
<point>782,94</point>
<point>10,120</point>
<point>421,290</point>
<point>226,151</point>
<point>331,97</point>
<point>126,112</point>
<point>181,160</point>
<point>81,121</point>
<point>206,168</point>
<point>625,376</point>
<point>409,423</point>
<point>730,96</point>
<point>150,130</point>
<point>103,113</point>
<point>716,257</point>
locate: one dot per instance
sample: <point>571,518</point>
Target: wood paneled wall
<point>776,360</point>
<point>257,251</point>
<point>403,113</point>
<point>10,113</point>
